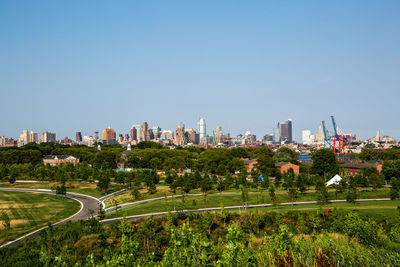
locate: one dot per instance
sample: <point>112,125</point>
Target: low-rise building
<point>286,166</point>
<point>54,160</point>
<point>354,167</point>
<point>250,164</point>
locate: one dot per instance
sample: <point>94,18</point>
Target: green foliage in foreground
<point>337,238</point>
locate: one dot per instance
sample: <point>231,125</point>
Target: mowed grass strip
<point>227,199</point>
<point>31,211</point>
<point>85,188</point>
<point>256,196</point>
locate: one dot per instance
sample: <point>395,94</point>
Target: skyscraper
<point>202,127</point>
<point>47,137</point>
<point>24,138</point>
<point>319,137</point>
<point>156,132</point>
<point>285,130</point>
<point>133,134</point>
<point>145,132</point>
<point>138,129</point>
<point>109,136</point>
<point>180,135</point>
<point>277,135</point>
<point>307,137</point>
<point>78,137</point>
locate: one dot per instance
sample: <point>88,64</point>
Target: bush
<point>366,232</point>
<point>394,234</point>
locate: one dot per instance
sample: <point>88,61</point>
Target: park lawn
<point>257,196</point>
<point>32,211</point>
<point>377,210</point>
<point>227,199</point>
<point>162,191</point>
<point>73,187</point>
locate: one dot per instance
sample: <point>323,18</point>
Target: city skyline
<point>295,133</point>
<point>67,68</point>
<point>281,133</point>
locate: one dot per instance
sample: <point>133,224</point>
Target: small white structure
<point>335,180</point>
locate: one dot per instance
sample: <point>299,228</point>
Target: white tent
<point>334,180</point>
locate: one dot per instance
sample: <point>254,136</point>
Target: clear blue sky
<point>69,66</point>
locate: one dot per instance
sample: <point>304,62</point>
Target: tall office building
<point>167,135</point>
<point>109,136</point>
<point>145,132</point>
<point>319,137</point>
<point>24,138</point>
<point>78,137</point>
<point>156,132</point>
<point>277,135</point>
<point>138,128</point>
<point>285,131</point>
<point>202,127</point>
<point>133,134</point>
<point>33,137</point>
<point>192,136</point>
<point>47,137</point>
<point>307,137</point>
<point>180,135</point>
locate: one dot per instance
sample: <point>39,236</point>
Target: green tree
<point>325,163</point>
<point>352,193</point>
<point>104,182</point>
<point>301,182</point>
<point>322,193</point>
<point>135,193</point>
<point>288,179</point>
<point>236,252</point>
<point>394,188</point>
<point>187,248</point>
<point>278,177</point>
<point>292,194</point>
<point>265,182</point>
<point>272,191</point>
<point>206,183</point>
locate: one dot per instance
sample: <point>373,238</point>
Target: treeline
<point>151,155</point>
<point>334,238</point>
<point>69,172</point>
<point>370,154</point>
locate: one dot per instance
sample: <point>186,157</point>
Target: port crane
<point>338,141</point>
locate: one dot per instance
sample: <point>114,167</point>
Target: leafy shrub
<point>366,232</point>
<point>395,233</point>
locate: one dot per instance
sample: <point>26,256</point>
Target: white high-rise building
<point>167,135</point>
<point>33,137</point>
<point>308,138</point>
<point>202,127</point>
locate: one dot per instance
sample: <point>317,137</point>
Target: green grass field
<point>229,199</point>
<point>31,211</point>
<point>255,196</point>
<point>74,187</point>
<point>377,210</point>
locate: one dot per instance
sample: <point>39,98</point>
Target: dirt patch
<point>8,206</point>
<point>15,223</point>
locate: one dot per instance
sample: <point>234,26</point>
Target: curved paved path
<point>89,207</point>
<point>145,201</point>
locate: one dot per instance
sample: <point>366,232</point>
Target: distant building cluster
<point>282,135</point>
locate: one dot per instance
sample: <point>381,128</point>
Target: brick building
<point>60,159</point>
<point>285,166</point>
